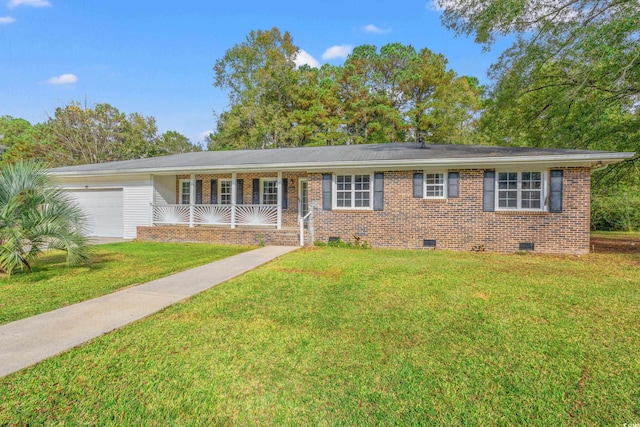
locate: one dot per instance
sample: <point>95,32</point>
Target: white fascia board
<point>577,160</point>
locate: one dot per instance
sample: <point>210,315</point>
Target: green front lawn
<point>52,285</point>
<point>365,337</point>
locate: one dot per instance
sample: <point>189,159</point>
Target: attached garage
<point>104,209</point>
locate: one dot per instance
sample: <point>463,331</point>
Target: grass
<point>365,337</point>
<point>114,266</point>
<point>616,234</point>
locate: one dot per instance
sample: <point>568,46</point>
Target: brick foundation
<point>219,235</point>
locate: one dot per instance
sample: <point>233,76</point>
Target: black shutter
<point>488,197</point>
<point>285,200</point>
<point>239,191</point>
<point>453,183</point>
<point>326,191</point>
<point>214,192</point>
<point>255,198</point>
<point>198,192</point>
<point>378,191</point>
<point>417,184</point>
<point>555,195</point>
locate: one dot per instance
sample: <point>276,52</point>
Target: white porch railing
<point>229,215</point>
<point>212,214</point>
<point>256,214</point>
<point>171,214</point>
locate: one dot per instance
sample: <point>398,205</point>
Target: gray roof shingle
<point>305,157</point>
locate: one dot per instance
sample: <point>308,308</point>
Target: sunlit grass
<point>617,234</point>
<point>365,337</point>
<point>53,285</point>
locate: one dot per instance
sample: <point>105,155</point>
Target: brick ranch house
<point>397,195</point>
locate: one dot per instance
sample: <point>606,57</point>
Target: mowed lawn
<point>114,266</point>
<point>328,336</point>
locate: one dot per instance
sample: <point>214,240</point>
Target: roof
<point>391,156</point>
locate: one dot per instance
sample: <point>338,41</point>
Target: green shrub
<point>616,209</point>
<point>356,243</point>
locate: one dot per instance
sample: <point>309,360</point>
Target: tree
<point>571,78</point>
<point>24,141</point>
<point>440,106</point>
<point>399,94</point>
<point>139,138</point>
<point>172,142</point>
<point>102,133</point>
<point>34,215</point>
<point>391,94</point>
<point>259,75</point>
<point>88,135</point>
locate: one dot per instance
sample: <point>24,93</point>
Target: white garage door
<point>104,211</point>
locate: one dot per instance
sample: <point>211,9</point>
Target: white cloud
<point>6,20</point>
<point>203,136</point>
<point>341,51</point>
<point>32,3</point>
<point>374,29</point>
<point>63,79</point>
<point>303,57</point>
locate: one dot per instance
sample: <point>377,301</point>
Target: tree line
<point>395,93</point>
<point>78,134</point>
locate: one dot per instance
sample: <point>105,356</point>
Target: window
<point>520,190</point>
<point>185,191</point>
<point>225,192</point>
<point>434,185</point>
<point>353,191</point>
<point>269,191</point>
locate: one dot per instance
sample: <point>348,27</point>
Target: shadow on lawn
<point>51,265</point>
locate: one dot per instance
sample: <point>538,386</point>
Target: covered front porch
<point>253,201</point>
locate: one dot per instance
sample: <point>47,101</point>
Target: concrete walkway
<point>31,340</point>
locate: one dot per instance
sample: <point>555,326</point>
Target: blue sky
<point>156,57</point>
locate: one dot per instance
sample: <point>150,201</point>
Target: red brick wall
<point>220,235</point>
<point>459,223</point>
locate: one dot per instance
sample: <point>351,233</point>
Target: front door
<point>303,196</point>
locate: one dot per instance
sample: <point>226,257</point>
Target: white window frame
<point>334,191</point>
<point>544,176</point>
<point>262,181</point>
<point>220,181</point>
<point>445,182</point>
<point>181,191</point>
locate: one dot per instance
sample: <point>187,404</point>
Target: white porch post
<point>234,192</point>
<point>192,198</point>
<point>279,223</point>
<point>153,199</point>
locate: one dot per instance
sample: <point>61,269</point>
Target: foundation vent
<point>429,243</point>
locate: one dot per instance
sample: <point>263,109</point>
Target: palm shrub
<point>35,215</point>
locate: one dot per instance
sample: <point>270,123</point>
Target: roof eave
<point>587,160</point>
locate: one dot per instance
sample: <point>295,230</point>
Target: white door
<point>104,209</point>
<point>303,196</point>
